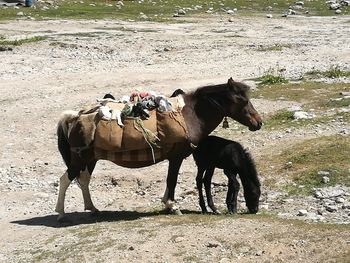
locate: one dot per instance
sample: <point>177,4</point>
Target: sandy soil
<point>82,60</point>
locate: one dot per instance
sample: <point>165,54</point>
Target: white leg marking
<point>64,183</point>
<point>84,180</point>
<point>165,196</point>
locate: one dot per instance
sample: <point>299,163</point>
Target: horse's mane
<point>209,90</point>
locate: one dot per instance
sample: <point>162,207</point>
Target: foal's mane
<point>250,164</point>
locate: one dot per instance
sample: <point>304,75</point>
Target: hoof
<point>95,212</point>
<point>177,212</point>
<point>171,211</point>
<point>62,218</point>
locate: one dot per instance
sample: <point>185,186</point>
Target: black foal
<point>215,152</point>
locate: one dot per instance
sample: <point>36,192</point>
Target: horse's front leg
<point>169,194</point>
<point>232,192</point>
<point>207,183</point>
<point>64,183</point>
<point>84,180</point>
<point>199,182</point>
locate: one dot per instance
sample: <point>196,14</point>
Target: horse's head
<point>252,199</point>
<point>240,108</point>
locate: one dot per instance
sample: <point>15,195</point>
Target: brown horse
<point>204,110</point>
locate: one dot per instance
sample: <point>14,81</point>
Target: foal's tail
<point>63,130</point>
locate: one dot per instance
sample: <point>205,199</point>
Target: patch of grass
<point>338,103</point>
<point>157,10</point>
<point>276,47</point>
<point>307,158</point>
<point>313,94</point>
<point>19,42</point>
<point>333,72</point>
<point>282,117</point>
<point>272,77</point>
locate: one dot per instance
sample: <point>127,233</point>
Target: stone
<point>213,244</point>
<point>299,115</point>
<point>331,208</point>
<point>302,212</point>
<point>339,200</point>
<point>325,179</point>
<point>230,12</point>
<point>338,11</point>
<point>181,12</point>
<point>323,173</point>
<point>20,14</point>
<point>269,16</point>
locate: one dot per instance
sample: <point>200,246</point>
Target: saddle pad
<point>144,155</point>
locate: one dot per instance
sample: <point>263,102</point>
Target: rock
<point>181,12</point>
<point>294,108</point>
<point>323,173</point>
<point>213,244</point>
<point>338,11</point>
<point>325,179</point>
<point>144,17</point>
<point>230,12</point>
<point>334,6</point>
<point>300,3</point>
<point>269,15</point>
<point>20,14</point>
<point>331,208</point>
<point>339,200</point>
<point>298,115</point>
<point>179,239</point>
<point>288,165</point>
<point>302,212</point>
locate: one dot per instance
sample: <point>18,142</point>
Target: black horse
<point>230,156</point>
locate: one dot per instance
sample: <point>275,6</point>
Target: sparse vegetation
<point>308,157</point>
<point>276,47</point>
<point>272,77</point>
<point>156,11</point>
<point>19,42</point>
<point>333,72</point>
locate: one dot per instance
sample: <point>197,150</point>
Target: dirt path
<point>79,62</point>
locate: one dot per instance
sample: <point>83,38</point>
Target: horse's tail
<point>63,129</point>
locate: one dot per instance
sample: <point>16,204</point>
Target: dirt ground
<point>79,62</point>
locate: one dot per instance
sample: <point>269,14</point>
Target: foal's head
<point>240,108</point>
<point>252,199</point>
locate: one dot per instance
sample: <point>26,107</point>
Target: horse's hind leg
<point>207,183</point>
<point>84,180</point>
<point>64,183</point>
<point>199,181</point>
<point>232,192</point>
<point>169,194</point>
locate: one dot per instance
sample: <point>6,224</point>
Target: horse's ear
<point>230,81</point>
<point>231,85</point>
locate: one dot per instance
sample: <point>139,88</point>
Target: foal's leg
<point>169,194</point>
<point>84,180</point>
<point>199,182</point>
<point>232,192</point>
<point>207,183</point>
<point>64,183</point>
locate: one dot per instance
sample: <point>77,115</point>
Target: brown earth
<point>82,60</point>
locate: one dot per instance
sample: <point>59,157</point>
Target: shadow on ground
<point>85,218</point>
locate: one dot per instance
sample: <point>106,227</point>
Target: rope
<point>149,136</point>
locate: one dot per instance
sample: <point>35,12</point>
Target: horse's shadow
<point>86,218</point>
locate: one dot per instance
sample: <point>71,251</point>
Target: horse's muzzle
<point>257,126</point>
